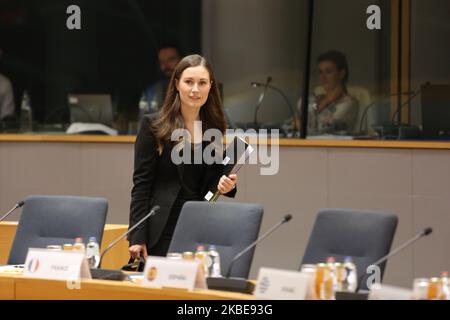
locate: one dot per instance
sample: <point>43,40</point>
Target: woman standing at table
<point>192,95</point>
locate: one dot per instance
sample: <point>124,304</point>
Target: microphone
<point>399,130</point>
<point>261,97</point>
<point>17,205</point>
<point>423,233</point>
<point>283,95</point>
<point>286,218</point>
<point>151,213</point>
<point>117,274</point>
<point>370,105</point>
<point>408,101</point>
<point>240,284</point>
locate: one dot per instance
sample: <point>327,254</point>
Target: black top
<point>192,176</point>
<point>190,189</point>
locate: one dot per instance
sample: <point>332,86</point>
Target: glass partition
<point>429,111</point>
<point>377,68</point>
<point>351,64</point>
<point>55,75</point>
<point>257,48</point>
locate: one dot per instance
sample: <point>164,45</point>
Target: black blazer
<point>156,181</point>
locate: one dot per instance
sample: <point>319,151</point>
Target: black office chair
<point>231,227</point>
<point>56,220</point>
<point>363,235</point>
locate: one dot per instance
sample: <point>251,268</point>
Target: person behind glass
<point>335,111</point>
<point>192,95</point>
<point>168,57</point>
<point>7,109</point>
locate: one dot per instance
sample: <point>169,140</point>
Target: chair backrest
<point>363,235</point>
<point>231,227</point>
<point>56,220</point>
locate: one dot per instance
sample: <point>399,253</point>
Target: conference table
<point>114,259</point>
<point>19,287</point>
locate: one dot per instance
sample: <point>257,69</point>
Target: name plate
<point>56,265</point>
<point>279,284</point>
<point>182,274</point>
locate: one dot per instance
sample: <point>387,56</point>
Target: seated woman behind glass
<point>335,111</point>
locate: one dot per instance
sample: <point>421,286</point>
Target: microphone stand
<point>397,112</point>
<point>398,249</point>
<point>118,275</point>
<point>112,244</point>
<point>288,103</point>
<point>370,105</point>
<point>241,284</point>
<point>17,205</point>
<point>400,130</point>
<point>261,98</point>
<point>265,235</point>
<point>421,234</point>
<point>282,94</point>
<point>363,294</point>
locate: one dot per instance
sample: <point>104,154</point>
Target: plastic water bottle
<point>213,262</point>
<point>350,282</point>
<point>93,252</point>
<point>26,115</point>
<point>445,286</point>
<point>331,282</point>
<point>79,245</point>
<point>202,257</point>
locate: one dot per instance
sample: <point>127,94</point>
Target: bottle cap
<point>444,274</point>
<point>93,239</point>
<point>331,259</point>
<point>212,247</point>
<point>78,239</point>
<point>434,279</point>
<point>200,248</point>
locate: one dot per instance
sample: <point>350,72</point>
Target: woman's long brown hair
<point>211,113</point>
